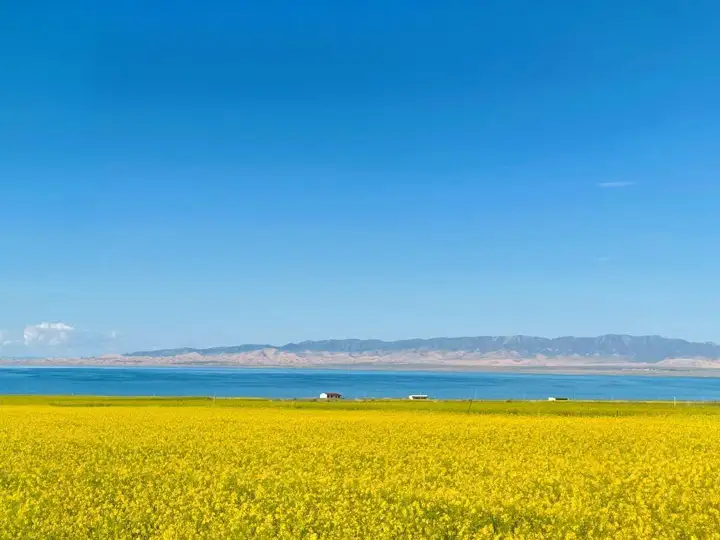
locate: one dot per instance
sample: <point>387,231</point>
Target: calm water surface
<point>303,383</point>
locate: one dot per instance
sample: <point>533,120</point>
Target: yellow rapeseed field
<point>271,472</point>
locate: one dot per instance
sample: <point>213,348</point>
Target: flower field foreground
<point>278,472</point>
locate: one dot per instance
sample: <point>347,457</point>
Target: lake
<point>304,383</point>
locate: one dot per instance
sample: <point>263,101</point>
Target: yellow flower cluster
<point>264,472</point>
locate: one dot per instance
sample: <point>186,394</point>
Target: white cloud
<point>48,334</point>
<point>5,338</point>
<point>615,185</point>
<point>57,339</point>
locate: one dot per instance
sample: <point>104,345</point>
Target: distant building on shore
<point>330,395</point>
<point>418,396</point>
<point>551,398</point>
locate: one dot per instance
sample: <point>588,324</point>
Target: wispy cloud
<point>5,338</point>
<point>615,185</point>
<point>46,333</point>
<point>56,339</point>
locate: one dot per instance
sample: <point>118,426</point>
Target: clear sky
<point>216,172</point>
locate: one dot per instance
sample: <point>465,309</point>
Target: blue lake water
<point>303,383</point>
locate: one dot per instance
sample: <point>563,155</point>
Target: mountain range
<point>632,348</point>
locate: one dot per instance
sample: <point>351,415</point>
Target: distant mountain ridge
<point>637,348</point>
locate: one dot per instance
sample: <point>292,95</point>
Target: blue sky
<point>221,172</point>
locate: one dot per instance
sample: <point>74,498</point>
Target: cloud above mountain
<point>48,334</point>
<point>56,339</point>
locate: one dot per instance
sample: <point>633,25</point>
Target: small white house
<point>330,395</point>
<point>417,396</point>
<point>557,398</point>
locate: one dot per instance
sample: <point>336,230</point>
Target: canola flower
<point>267,473</point>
